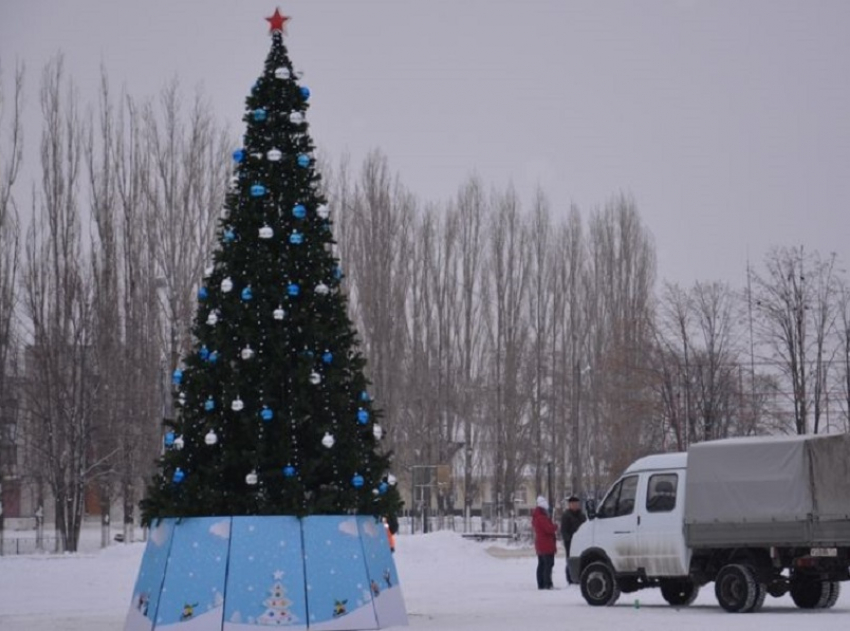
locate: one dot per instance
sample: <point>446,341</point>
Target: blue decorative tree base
<point>323,572</point>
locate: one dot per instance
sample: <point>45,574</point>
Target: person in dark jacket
<point>570,521</point>
<point>545,532</point>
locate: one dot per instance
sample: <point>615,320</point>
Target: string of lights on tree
<point>274,413</point>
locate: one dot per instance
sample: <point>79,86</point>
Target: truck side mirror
<point>590,508</point>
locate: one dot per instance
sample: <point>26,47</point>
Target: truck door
<point>660,535</point>
<point>616,524</point>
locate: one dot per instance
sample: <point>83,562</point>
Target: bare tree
<point>470,209</point>
<point>568,340</point>
<point>794,302</point>
<point>11,158</point>
<point>540,313</point>
<point>185,190</point>
<point>507,323</point>
<point>376,255</point>
<point>620,279</point>
<point>61,383</point>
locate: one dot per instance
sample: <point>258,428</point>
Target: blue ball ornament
<point>296,238</point>
<point>229,236</point>
<point>260,115</point>
<point>303,160</point>
<point>305,92</point>
<point>247,294</point>
<point>338,272</point>
<point>293,289</point>
<point>327,357</point>
<point>383,487</point>
<point>209,404</point>
<point>299,211</point>
<point>203,293</point>
<point>239,155</point>
<point>178,476</point>
<point>204,353</point>
<point>364,396</point>
<point>362,416</point>
<point>289,471</point>
<point>357,481</point>
<point>177,377</point>
<point>169,439</point>
<point>213,358</point>
<point>266,414</point>
<point>258,190</point>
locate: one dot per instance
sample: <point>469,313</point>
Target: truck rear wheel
<point>736,588</point>
<point>599,585</point>
<point>679,592</point>
<point>832,595</point>
<point>809,593</point>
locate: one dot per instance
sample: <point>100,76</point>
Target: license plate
<point>824,552</point>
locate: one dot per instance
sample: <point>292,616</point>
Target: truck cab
<point>637,529</point>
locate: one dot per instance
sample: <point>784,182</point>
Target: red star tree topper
<point>277,21</point>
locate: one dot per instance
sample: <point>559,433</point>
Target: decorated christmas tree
<point>274,415</point>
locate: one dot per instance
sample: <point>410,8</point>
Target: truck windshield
<point>620,499</point>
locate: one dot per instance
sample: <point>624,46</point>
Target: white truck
<point>756,516</point>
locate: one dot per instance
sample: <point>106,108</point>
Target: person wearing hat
<point>545,532</point>
<point>570,521</point>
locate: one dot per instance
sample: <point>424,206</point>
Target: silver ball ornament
<point>251,478</point>
<point>328,440</point>
<point>211,438</point>
<point>227,285</point>
<point>237,405</point>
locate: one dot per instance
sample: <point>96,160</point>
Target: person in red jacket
<point>544,542</point>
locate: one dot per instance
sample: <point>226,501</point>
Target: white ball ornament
<point>315,378</point>
<point>212,318</point>
<point>377,431</point>
<point>251,478</point>
<point>323,211</point>
<point>322,289</point>
<point>266,232</point>
<point>179,443</point>
<point>209,271</point>
<point>225,212</point>
<point>392,479</point>
<point>247,352</point>
<point>237,405</point>
<point>282,73</point>
<point>296,118</point>
<point>211,438</point>
<point>181,398</point>
<point>279,313</point>
<point>274,155</point>
<point>227,285</point>
<point>328,440</point>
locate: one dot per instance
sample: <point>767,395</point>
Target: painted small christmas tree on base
<point>273,465</point>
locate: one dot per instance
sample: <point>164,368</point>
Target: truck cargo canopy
<point>769,479</point>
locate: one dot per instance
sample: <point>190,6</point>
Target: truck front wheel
<point>736,588</point>
<point>679,592</point>
<point>599,585</point>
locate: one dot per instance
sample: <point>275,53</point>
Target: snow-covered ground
<point>449,583</point>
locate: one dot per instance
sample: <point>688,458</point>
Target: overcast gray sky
<point>727,120</point>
